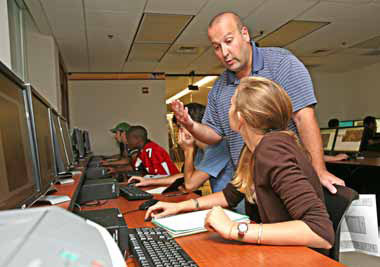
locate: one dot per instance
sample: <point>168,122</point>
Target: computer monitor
<point>67,141</point>
<point>61,163</point>
<point>328,138</point>
<point>78,142</point>
<point>17,164</point>
<point>348,139</point>
<point>349,123</point>
<point>43,146</point>
<point>87,144</point>
<point>358,123</point>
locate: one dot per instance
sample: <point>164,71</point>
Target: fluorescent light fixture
<point>185,91</point>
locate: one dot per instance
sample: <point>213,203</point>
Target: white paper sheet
<point>192,220</point>
<point>359,230</point>
<point>157,190</point>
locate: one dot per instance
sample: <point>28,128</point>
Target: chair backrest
<point>337,205</point>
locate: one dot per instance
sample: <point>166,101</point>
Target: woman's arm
<point>162,209</point>
<point>285,233</point>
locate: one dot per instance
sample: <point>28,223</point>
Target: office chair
<point>337,205</point>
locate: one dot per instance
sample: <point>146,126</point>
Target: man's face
<point>118,136</point>
<point>132,141</point>
<point>123,138</point>
<point>231,45</point>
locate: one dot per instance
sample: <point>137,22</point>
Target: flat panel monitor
<point>78,142</point>
<point>67,141</point>
<point>358,123</point>
<point>87,144</point>
<point>61,163</point>
<point>349,123</point>
<point>39,114</point>
<point>348,139</point>
<point>328,138</point>
<point>17,165</point>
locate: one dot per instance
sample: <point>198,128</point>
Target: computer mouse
<point>147,204</point>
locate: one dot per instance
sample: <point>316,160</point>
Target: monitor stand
<point>52,199</point>
<point>65,178</point>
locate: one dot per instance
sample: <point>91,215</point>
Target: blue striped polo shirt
<point>276,64</point>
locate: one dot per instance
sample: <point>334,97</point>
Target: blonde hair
<point>266,107</point>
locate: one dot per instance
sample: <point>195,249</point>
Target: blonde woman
<point>273,171</point>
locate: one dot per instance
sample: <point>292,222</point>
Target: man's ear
<point>245,34</point>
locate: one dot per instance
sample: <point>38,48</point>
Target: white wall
<point>99,105</point>
<point>347,96</point>
<point>43,63</point>
<point>5,52</point>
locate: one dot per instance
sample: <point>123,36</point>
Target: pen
<point>176,194</point>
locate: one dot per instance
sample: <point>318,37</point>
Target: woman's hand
<point>185,139</point>
<point>217,221</point>
<point>163,209</point>
<point>141,181</point>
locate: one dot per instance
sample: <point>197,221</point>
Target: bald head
<point>228,16</point>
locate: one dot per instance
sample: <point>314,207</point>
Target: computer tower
<point>98,189</point>
<point>113,221</point>
<point>97,173</point>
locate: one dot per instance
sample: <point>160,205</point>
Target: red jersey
<point>155,160</point>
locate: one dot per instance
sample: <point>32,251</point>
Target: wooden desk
<point>209,249</point>
<point>365,162</point>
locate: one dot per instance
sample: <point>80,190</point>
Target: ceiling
<point>111,35</point>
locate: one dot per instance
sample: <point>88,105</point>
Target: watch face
<point>243,227</point>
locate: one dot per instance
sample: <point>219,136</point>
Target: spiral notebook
<point>192,222</point>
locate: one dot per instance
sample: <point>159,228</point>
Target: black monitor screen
<point>67,141</point>
<point>79,143</point>
<point>43,140</point>
<point>62,164</point>
<point>17,184</point>
<point>87,144</point>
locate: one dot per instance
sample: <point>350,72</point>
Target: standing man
<point>233,47</point>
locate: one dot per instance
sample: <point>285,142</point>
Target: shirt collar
<point>258,64</point>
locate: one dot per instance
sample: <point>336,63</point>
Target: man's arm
<point>311,138</point>
<point>199,131</point>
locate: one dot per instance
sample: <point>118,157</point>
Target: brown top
<point>287,187</point>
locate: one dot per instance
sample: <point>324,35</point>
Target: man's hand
<point>182,114</point>
<point>328,180</point>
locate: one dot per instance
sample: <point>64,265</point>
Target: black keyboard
<point>131,192</point>
<point>154,247</point>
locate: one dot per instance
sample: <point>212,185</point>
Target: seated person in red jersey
<point>154,159</point>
